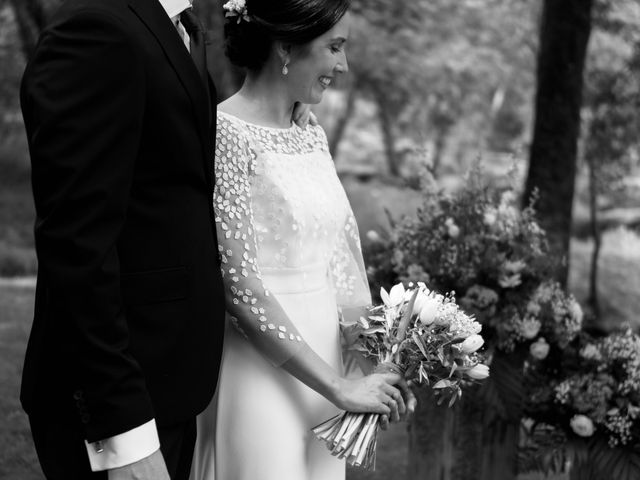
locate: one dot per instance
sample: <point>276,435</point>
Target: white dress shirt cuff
<point>125,448</point>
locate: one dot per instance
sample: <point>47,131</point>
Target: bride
<point>289,252</point>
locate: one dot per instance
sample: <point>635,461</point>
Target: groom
<point>125,345</point>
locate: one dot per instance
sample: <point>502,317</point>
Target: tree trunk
<point>438,150</point>
<point>341,124</point>
<point>564,35</point>
<point>597,239</point>
<point>386,124</point>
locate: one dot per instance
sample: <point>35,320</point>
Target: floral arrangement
<point>421,334</point>
<point>590,398</point>
<point>480,244</point>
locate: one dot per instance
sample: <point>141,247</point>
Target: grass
<point>17,456</point>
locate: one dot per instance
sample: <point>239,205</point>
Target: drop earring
<point>285,70</point>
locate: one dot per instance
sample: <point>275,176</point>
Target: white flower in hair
<point>237,8</point>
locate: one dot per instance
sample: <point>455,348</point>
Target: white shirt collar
<point>175,7</point>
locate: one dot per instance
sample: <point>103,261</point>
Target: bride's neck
<point>268,100</point>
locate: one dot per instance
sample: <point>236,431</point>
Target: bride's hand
<point>372,394</point>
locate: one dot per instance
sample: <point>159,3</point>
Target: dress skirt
<point>258,426</point>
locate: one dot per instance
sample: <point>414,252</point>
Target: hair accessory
<point>285,70</point>
<point>237,8</point>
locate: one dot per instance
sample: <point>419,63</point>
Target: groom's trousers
<point>63,455</point>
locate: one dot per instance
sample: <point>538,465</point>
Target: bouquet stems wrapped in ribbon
<point>419,334</point>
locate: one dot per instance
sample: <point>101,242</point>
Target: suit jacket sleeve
<point>83,102</point>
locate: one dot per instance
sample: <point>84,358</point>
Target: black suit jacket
<point>129,304</point>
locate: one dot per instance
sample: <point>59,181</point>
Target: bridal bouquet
<point>426,338</point>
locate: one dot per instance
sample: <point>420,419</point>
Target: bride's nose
<point>342,66</point>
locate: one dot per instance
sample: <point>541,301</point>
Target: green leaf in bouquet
<point>363,322</point>
<point>420,344</point>
<point>444,383</point>
<point>374,330</point>
<point>423,374</point>
<point>453,399</point>
<point>406,317</point>
<point>455,341</point>
<point>411,371</point>
<point>441,356</point>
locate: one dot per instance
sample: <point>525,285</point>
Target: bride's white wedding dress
<point>291,259</point>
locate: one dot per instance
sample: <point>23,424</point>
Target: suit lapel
<point>156,20</point>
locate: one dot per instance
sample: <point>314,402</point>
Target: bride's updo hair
<point>247,44</point>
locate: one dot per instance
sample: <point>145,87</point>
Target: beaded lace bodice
<point>280,207</point>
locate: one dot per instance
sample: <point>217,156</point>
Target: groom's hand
<point>405,407</point>
<point>409,397</point>
<point>149,468</point>
<point>302,115</point>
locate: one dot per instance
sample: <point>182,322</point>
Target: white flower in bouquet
<point>529,328</point>
<point>394,297</point>
<point>429,310</point>
<point>462,325</point>
<point>472,344</point>
<point>419,302</point>
<point>479,372</point>
<point>539,349</point>
<point>582,425</point>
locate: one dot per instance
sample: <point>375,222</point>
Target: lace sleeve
<point>348,274</point>
<point>251,307</point>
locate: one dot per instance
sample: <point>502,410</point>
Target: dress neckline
<point>256,125</point>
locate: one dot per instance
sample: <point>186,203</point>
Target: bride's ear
<point>283,50</point>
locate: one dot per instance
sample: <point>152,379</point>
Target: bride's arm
<point>254,311</point>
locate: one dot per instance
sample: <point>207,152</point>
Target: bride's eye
<point>337,47</point>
